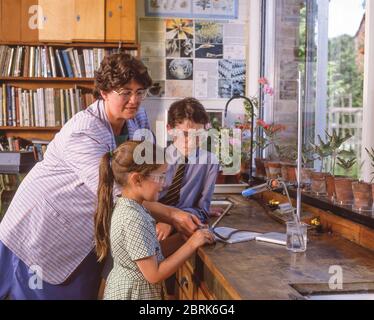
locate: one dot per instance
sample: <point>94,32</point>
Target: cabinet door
<point>120,20</point>
<point>113,20</point>
<point>1,20</point>
<point>57,20</point>
<point>128,21</point>
<point>11,20</point>
<point>29,20</point>
<point>89,20</point>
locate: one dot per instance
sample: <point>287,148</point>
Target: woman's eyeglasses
<point>158,178</point>
<point>127,94</point>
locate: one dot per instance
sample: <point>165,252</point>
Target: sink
<point>352,291</point>
<point>341,296</point>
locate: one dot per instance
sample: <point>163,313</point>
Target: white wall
<point>156,108</point>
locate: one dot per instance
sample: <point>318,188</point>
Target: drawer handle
<point>110,14</point>
<point>184,282</point>
<point>78,17</point>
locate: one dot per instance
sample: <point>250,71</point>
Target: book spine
<point>77,64</point>
<point>69,70</point>
<point>31,62</point>
<point>52,58</point>
<point>48,62</point>
<point>1,106</point>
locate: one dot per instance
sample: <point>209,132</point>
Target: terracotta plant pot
<point>330,187</point>
<point>291,173</point>
<point>306,178</point>
<point>318,186</point>
<point>306,175</point>
<point>221,179</point>
<point>274,170</point>
<point>284,174</point>
<point>362,193</point>
<point>343,190</point>
<point>260,168</point>
<point>267,172</point>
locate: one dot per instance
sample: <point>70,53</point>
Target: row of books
<point>43,107</point>
<point>51,62</point>
<point>37,147</point>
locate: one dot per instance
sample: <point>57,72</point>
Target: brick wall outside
<point>286,67</point>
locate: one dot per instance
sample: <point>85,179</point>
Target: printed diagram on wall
<point>187,57</point>
<point>157,90</point>
<point>179,38</point>
<point>208,40</point>
<point>179,29</point>
<point>231,78</point>
<point>179,69</point>
<point>212,9</point>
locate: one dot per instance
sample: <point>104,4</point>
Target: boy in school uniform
<point>192,171</point>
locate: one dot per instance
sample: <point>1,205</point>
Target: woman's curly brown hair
<point>116,70</point>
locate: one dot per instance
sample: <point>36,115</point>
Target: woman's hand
<point>201,237</point>
<point>185,222</point>
<point>163,230</point>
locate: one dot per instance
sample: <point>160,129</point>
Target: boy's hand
<point>163,230</point>
<point>216,212</point>
<point>185,222</point>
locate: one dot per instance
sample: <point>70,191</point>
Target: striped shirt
<point>50,220</point>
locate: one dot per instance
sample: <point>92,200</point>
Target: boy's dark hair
<point>187,109</point>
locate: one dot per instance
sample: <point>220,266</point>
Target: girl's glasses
<point>127,94</point>
<point>158,178</point>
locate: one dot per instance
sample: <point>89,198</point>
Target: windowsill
<point>347,212</point>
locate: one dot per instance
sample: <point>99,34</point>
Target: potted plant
<point>224,143</point>
<point>270,138</point>
<point>343,184</point>
<point>371,155</point>
<point>329,149</point>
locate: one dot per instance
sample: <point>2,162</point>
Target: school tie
<point>172,196</point>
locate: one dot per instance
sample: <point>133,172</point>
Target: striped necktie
<point>172,196</point>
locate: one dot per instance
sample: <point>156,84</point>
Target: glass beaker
<point>296,236</point>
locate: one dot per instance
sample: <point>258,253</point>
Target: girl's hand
<point>201,237</point>
<point>163,230</point>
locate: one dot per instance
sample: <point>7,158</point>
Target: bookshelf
<point>42,90</point>
<point>76,35</point>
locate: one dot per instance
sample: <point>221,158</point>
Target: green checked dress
<point>132,237</point>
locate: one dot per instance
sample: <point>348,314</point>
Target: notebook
<point>241,236</point>
<point>273,237</point>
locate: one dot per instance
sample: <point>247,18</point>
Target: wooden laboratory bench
<point>257,270</point>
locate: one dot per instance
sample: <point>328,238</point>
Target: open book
<point>273,237</point>
<point>241,236</point>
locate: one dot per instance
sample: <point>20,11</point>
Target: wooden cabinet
<point>186,282</point>
<point>11,20</point>
<point>29,20</point>
<point>57,20</point>
<point>191,285</point>
<point>89,18</point>
<point>120,24</point>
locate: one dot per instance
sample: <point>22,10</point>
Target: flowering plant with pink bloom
<point>270,137</point>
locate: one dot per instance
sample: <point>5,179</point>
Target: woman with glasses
<point>47,234</point>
